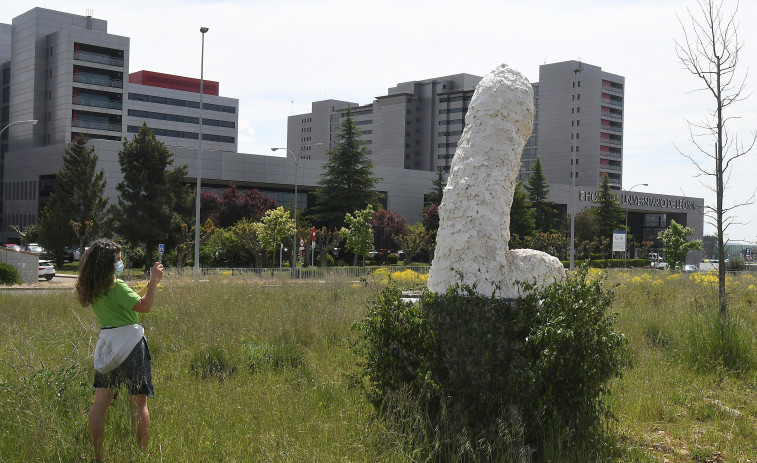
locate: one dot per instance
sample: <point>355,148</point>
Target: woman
<point>121,355</point>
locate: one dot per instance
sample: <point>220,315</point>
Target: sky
<point>278,56</point>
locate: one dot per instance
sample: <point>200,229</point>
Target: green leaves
<point>471,360</point>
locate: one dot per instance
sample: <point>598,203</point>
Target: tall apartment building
<point>72,76</point>
<point>579,119</point>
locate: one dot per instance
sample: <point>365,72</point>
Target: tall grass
<point>254,370</point>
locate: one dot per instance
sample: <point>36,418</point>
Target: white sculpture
<point>474,216</point>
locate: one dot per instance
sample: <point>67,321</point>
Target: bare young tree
<point>710,51</point>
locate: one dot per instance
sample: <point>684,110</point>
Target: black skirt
<point>135,372</point>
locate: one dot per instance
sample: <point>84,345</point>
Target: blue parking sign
<point>161,248</point>
<point>748,252</point>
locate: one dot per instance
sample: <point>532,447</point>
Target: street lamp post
<point>30,121</point>
<point>296,169</point>
<point>203,30</point>
<point>625,254</point>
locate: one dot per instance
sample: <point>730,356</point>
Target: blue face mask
<point>119,267</point>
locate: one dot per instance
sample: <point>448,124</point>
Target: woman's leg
<point>103,398</point>
<point>140,418</point>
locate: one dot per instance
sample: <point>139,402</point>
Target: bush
<point>283,354</point>
<point>212,362</point>
<point>542,361</point>
<point>735,264</point>
<point>9,275</point>
<point>392,259</point>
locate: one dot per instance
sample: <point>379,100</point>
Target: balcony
<point>611,142</point>
<point>613,128</point>
<point>97,102</point>
<point>618,103</point>
<point>98,58</point>
<point>613,90</point>
<point>611,116</point>
<point>97,125</point>
<point>98,79</point>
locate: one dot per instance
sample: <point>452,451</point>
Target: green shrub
<point>9,275</point>
<point>472,362</point>
<point>392,259</point>
<point>735,264</point>
<point>283,354</point>
<point>212,362</point>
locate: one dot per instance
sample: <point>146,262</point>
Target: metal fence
<point>300,273</point>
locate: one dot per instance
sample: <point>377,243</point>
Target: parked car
<point>660,265</point>
<point>37,249</point>
<point>689,268</point>
<point>13,247</point>
<point>46,270</point>
<point>77,253</point>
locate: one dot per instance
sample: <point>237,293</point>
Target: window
<point>578,135</point>
<point>577,147</point>
<point>574,98</point>
<point>579,96</point>
<point>578,109</point>
<point>579,83</point>
<point>578,122</point>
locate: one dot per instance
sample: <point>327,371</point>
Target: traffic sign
<point>302,244</point>
<point>161,248</point>
<point>313,234</point>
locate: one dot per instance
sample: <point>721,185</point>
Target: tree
<point>538,194</point>
<point>417,243</point>
<point>388,229</point>
<point>437,192</point>
<point>522,222</point>
<point>247,234</point>
<point>358,237</point>
<point>347,182</point>
<point>77,209</point>
<point>275,226</point>
<point>586,228</point>
<point>676,243</point>
<point>326,241</point>
<point>608,213</point>
<point>29,234</point>
<point>710,51</point>
<point>153,201</point>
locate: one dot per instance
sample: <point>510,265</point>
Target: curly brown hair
<point>97,270</point>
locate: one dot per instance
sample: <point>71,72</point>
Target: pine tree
<point>538,192</point>
<point>608,212</point>
<point>153,201</point>
<point>437,192</point>
<point>76,211</point>
<point>347,182</point>
<point>522,221</point>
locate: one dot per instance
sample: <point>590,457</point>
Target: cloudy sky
<point>277,57</point>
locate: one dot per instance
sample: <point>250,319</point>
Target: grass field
<point>253,370</point>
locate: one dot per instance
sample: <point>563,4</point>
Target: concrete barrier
<point>26,263</point>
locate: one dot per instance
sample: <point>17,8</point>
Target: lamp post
<point>625,254</point>
<point>203,30</point>
<point>296,171</point>
<point>30,121</point>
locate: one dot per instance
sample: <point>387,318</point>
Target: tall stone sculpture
<point>474,216</point>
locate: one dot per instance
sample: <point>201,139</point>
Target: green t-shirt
<point>116,307</point>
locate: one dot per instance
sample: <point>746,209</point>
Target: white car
<point>46,270</point>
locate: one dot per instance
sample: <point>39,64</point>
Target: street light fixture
<point>625,254</point>
<point>30,121</point>
<point>203,30</point>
